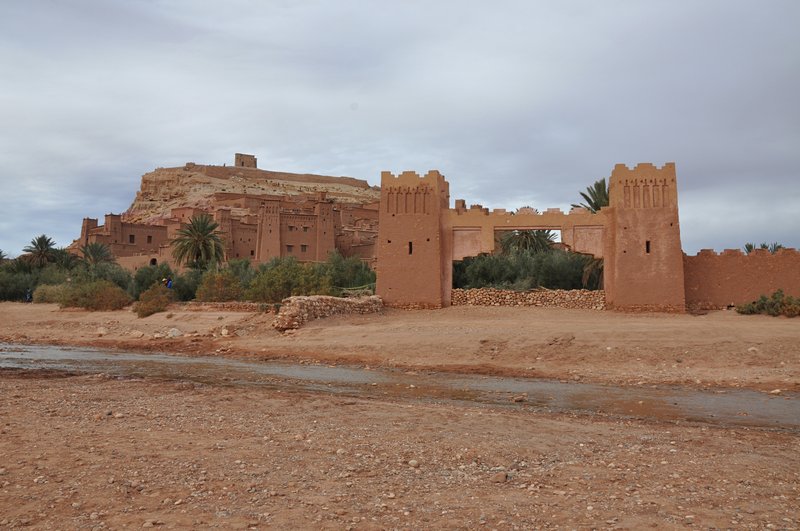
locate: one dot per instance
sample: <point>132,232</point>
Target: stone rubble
<point>296,311</point>
<point>559,298</point>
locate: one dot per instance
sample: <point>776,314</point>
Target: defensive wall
<point>637,235</point>
<point>717,280</point>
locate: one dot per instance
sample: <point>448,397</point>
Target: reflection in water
<point>731,407</point>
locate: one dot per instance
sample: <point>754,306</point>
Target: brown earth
<point>91,452</point>
<point>720,348</point>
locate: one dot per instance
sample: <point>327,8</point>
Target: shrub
<point>185,286</point>
<point>284,277</point>
<point>774,305</point>
<point>95,296</point>
<point>219,286</point>
<point>52,293</point>
<point>348,272</point>
<point>147,276</point>
<point>155,299</point>
<point>14,285</point>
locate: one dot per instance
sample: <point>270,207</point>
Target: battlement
<point>755,253</point>
<point>643,186</point>
<point>408,193</point>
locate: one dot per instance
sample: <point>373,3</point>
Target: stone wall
<point>577,298</point>
<point>296,311</point>
<point>230,306</point>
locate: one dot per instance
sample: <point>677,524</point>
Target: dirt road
<point>87,452</point>
<point>721,349</point>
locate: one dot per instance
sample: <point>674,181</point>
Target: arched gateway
<point>637,235</point>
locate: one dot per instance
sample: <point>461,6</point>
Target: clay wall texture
<point>715,281</point>
<point>643,259</point>
<point>414,264</point>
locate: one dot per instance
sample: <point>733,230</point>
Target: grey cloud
<point>516,103</point>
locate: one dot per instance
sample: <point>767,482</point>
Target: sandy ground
<point>93,452</point>
<point>719,349</point>
<point>88,452</point>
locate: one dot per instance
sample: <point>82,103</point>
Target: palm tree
<point>2,256</point>
<point>596,197</point>
<point>534,241</point>
<point>592,277</point>
<point>96,253</point>
<point>41,251</point>
<point>773,247</point>
<point>198,245</point>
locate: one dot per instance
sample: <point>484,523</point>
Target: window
<point>131,238</point>
<point>289,248</point>
<point>149,239</point>
<point>410,248</point>
<point>647,247</point>
<point>252,252</point>
<point>303,248</point>
<point>305,229</point>
<point>292,228</point>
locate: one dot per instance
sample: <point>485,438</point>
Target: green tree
<point>96,253</point>
<point>534,241</point>
<point>41,251</point>
<point>3,256</point>
<point>773,247</point>
<point>596,197</point>
<point>198,245</point>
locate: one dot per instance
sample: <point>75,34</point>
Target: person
<point>169,282</point>
<point>29,295</point>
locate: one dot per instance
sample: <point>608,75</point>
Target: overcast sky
<point>516,103</point>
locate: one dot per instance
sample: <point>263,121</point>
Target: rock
<point>136,333</point>
<point>775,392</point>
<point>752,349</point>
<point>413,463</point>
<point>118,415</point>
<point>174,332</point>
<point>101,331</point>
<point>499,477</point>
<point>224,332</point>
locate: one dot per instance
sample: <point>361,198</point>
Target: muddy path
<point>661,403</point>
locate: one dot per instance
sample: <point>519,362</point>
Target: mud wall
<point>717,280</point>
<point>559,298</point>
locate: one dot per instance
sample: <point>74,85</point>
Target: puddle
<point>723,407</point>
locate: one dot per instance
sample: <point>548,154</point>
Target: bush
<point>52,293</point>
<point>185,286</point>
<point>774,305</point>
<point>147,276</point>
<point>95,296</point>
<point>348,272</point>
<point>219,286</point>
<point>155,299</point>
<point>14,285</point>
<point>284,277</point>
<point>522,270</point>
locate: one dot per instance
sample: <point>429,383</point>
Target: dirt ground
<point>89,452</point>
<point>95,452</point>
<point>719,349</point>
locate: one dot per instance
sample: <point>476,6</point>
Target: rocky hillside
<point>192,185</point>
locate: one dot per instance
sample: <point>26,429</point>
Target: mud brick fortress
<point>253,226</point>
<point>637,235</point>
<point>412,236</point>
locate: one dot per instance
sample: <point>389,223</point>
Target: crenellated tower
<point>414,247</point>
<point>643,257</point>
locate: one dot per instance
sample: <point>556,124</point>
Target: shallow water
<point>724,407</point>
